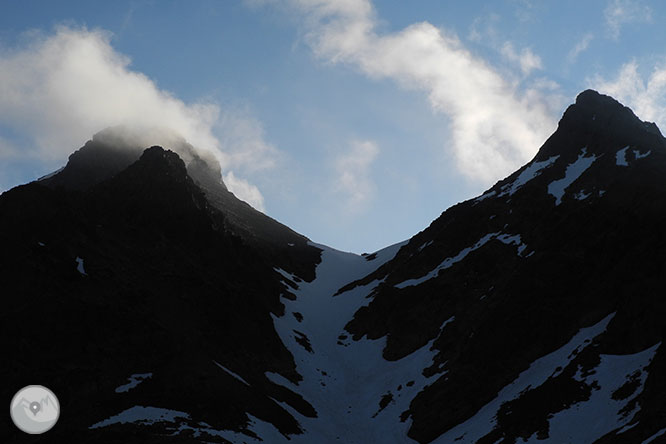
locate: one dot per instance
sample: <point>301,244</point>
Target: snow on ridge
<point>485,420</point>
<point>532,170</point>
<point>134,380</point>
<point>529,173</point>
<point>572,173</point>
<point>450,261</point>
<point>484,196</point>
<point>234,375</point>
<point>50,175</point>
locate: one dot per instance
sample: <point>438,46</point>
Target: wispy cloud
<point>580,47</point>
<point>646,96</point>
<point>495,126</point>
<point>621,12</point>
<point>526,60</point>
<point>61,88</point>
<point>353,174</point>
<point>244,190</point>
<point>244,144</point>
<point>524,10</point>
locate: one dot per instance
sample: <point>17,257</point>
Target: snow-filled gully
<point>344,379</point>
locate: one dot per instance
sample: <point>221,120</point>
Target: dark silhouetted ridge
<point>602,124</point>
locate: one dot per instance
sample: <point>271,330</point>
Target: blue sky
<point>354,122</point>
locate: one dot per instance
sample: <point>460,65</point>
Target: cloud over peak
<point>61,88</point>
<point>64,87</point>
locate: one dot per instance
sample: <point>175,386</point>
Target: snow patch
<point>450,261</point>
<point>142,415</point>
<point>182,422</point>
<point>573,172</point>
<point>284,274</point>
<point>655,436</point>
<point>621,157</point>
<point>638,155</point>
<point>79,266</point>
<point>582,195</point>
<point>134,380</point>
<point>587,421</point>
<point>626,428</point>
<point>513,240</point>
<point>529,173</point>
<point>50,175</point>
<point>484,196</point>
<point>232,373</point>
<point>484,421</point>
<point>425,245</point>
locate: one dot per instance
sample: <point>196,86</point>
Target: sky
<point>354,122</point>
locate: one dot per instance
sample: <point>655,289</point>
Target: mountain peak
<point>602,124</point>
<point>165,159</point>
<point>113,149</point>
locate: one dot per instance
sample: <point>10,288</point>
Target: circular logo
<point>34,409</point>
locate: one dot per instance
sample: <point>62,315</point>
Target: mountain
<point>160,308</point>
<point>543,296</point>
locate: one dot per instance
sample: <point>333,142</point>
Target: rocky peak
<point>115,148</point>
<point>602,124</point>
<point>159,159</point>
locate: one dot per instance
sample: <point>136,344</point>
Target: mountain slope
<point>161,309</point>
<point>134,276</point>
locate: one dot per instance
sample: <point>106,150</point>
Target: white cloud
<point>353,173</point>
<point>495,127</point>
<point>580,47</point>
<point>63,88</point>
<point>60,89</point>
<point>244,191</point>
<point>244,145</point>
<point>526,59</point>
<point>646,97</point>
<point>621,12</point>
